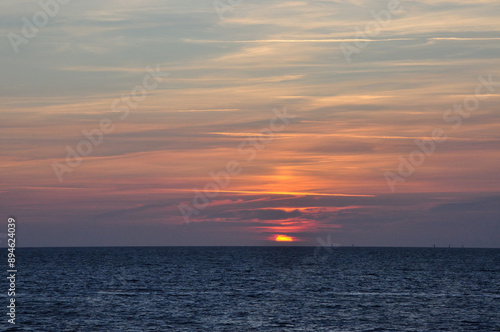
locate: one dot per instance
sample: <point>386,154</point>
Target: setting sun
<point>284,238</point>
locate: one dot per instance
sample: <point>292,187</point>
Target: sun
<point>283,238</point>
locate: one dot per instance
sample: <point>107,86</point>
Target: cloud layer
<point>353,122</point>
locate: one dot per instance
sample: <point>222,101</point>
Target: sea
<point>255,289</point>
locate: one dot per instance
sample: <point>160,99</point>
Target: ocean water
<point>256,289</point>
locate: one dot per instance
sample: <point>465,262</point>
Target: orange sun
<point>283,238</point>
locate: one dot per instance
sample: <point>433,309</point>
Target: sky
<point>199,123</point>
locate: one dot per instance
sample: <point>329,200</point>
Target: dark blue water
<point>257,289</point>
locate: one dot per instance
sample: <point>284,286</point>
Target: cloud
<point>353,120</point>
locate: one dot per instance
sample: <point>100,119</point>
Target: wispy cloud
<point>352,120</point>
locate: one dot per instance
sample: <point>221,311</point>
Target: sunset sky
<point>210,103</point>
